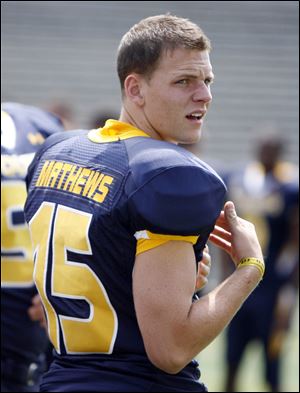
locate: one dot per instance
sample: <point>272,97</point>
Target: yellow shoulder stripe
<point>147,240</point>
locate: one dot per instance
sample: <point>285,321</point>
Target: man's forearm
<point>209,315</point>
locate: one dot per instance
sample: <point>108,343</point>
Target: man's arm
<point>174,328</point>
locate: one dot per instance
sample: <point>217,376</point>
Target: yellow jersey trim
<point>114,131</point>
<point>147,240</point>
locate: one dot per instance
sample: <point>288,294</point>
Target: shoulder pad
<point>181,200</point>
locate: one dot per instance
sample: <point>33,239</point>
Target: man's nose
<point>202,93</point>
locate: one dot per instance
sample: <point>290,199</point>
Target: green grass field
<point>251,377</point>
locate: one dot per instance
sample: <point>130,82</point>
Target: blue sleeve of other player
<point>34,119</point>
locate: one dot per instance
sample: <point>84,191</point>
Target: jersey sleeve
<point>179,203</point>
<point>33,119</point>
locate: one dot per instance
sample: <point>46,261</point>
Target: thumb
<point>230,214</point>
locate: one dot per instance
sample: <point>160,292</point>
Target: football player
<point>119,218</point>
<point>266,190</point>
<point>23,340</point>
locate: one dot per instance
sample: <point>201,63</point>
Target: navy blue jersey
<point>23,129</point>
<point>95,200</point>
<point>269,200</point>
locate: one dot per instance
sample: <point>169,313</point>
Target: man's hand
<point>36,311</point>
<point>235,235</point>
<point>203,270</point>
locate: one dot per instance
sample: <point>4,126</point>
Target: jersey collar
<point>115,130</point>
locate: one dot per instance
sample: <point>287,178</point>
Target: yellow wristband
<point>252,262</point>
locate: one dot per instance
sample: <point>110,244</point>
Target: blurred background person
<point>266,191</point>
<point>64,111</point>
<point>98,119</point>
<point>24,339</point>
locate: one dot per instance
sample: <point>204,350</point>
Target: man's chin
<point>191,139</point>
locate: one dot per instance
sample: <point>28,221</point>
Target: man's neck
<point>139,121</point>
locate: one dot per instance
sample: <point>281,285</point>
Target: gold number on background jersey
<point>16,249</point>
<point>71,280</point>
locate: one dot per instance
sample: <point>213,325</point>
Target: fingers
<point>230,213</point>
<point>232,220</point>
<point>221,243</point>
<point>222,222</point>
<point>226,224</point>
<point>206,259</point>
<point>36,311</point>
<point>228,218</point>
<point>200,283</point>
<point>203,272</point>
<point>222,233</point>
<point>203,269</point>
<point>33,313</point>
<point>204,265</point>
<point>235,235</point>
<point>36,300</point>
<point>221,237</point>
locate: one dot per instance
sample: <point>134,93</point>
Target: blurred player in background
<point>120,217</point>
<point>99,119</point>
<point>266,192</point>
<point>23,338</point>
<point>64,111</point>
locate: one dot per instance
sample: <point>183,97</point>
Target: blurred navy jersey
<point>270,200</point>
<point>95,200</point>
<point>23,129</point>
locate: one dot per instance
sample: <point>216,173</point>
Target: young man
<point>23,340</point>
<point>119,218</point>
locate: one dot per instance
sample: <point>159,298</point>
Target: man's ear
<point>133,89</point>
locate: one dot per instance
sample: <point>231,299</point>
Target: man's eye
<point>182,82</point>
<point>208,81</point>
